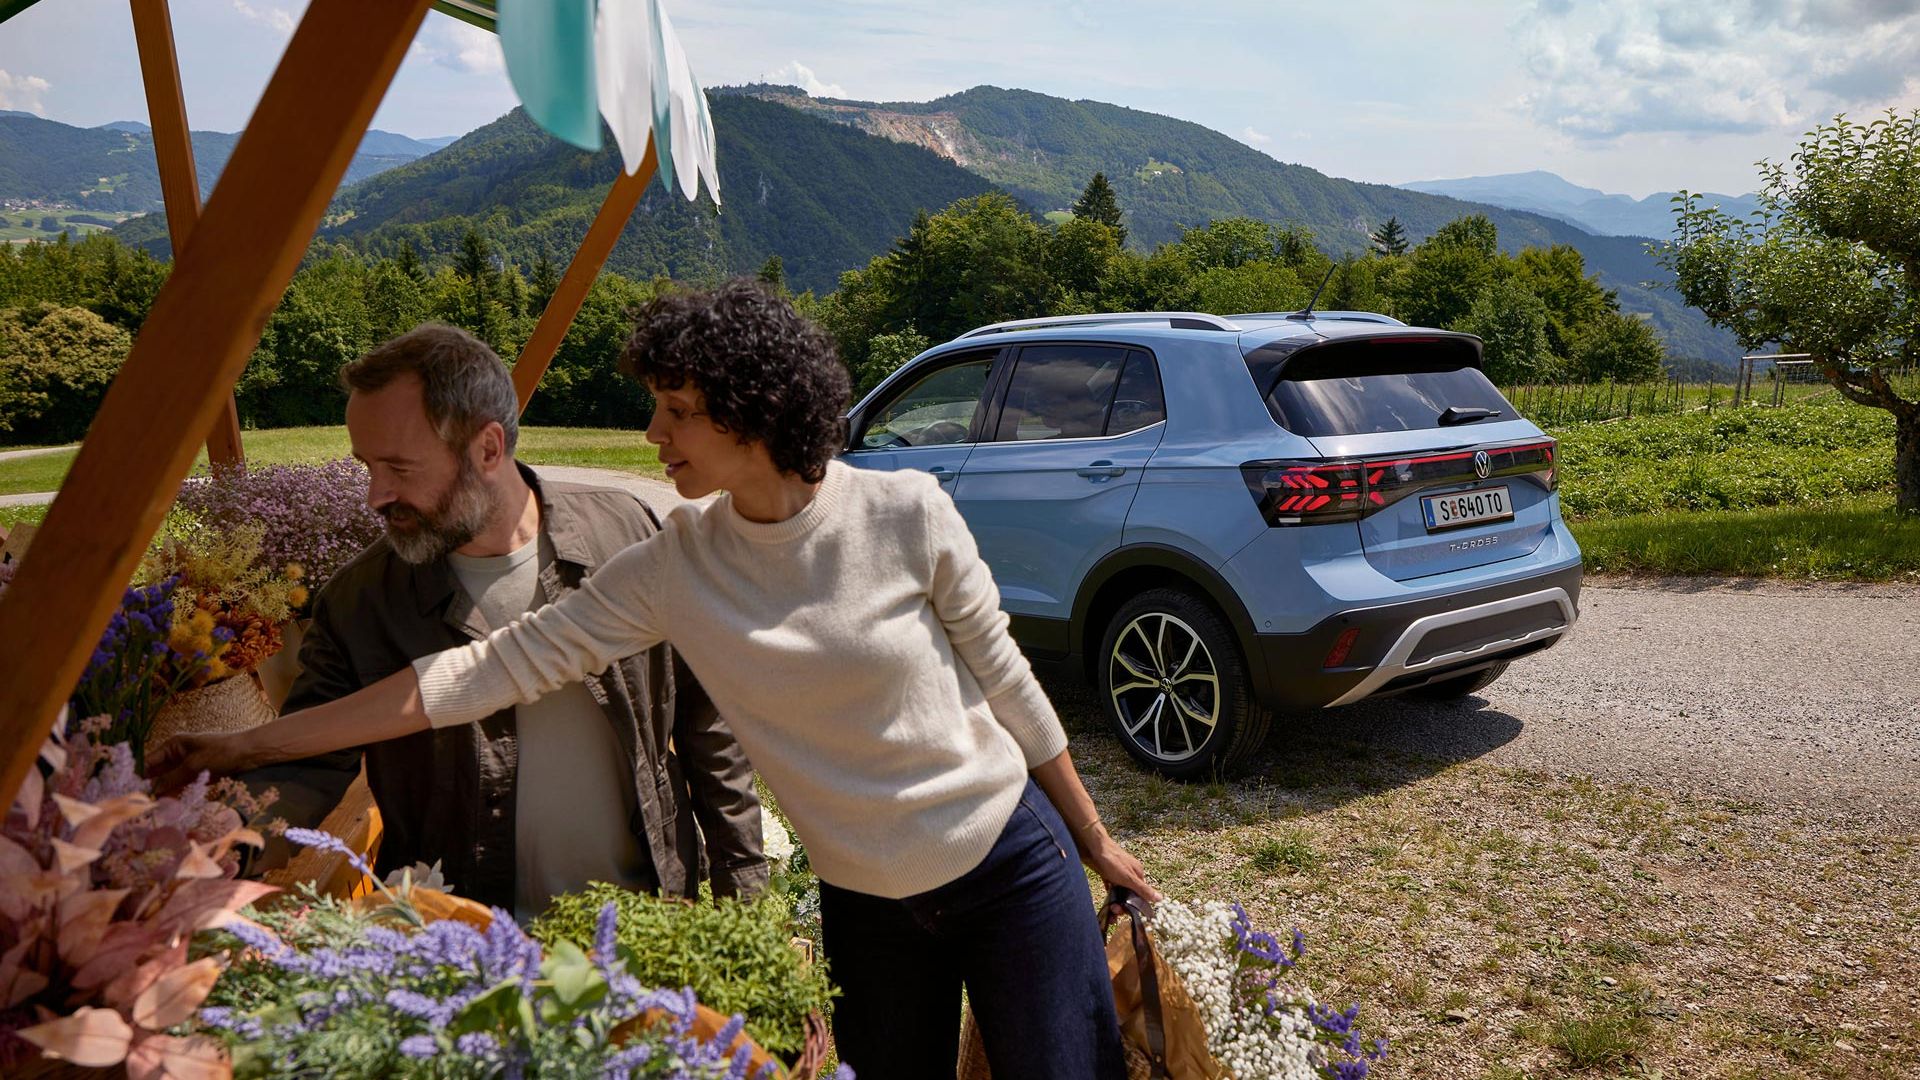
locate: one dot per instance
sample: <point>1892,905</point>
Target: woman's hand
<point>178,761</point>
<point>1115,865</point>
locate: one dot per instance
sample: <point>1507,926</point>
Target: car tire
<point>1463,686</point>
<point>1190,717</point>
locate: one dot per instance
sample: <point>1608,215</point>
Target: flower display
<point>330,989</point>
<point>101,884</point>
<point>1260,1025</point>
<point>224,583</point>
<point>313,517</point>
<point>145,657</point>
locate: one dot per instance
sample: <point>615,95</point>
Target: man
<point>601,781</point>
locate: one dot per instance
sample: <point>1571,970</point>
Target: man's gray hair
<point>463,382</point>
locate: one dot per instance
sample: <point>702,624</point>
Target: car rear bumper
<point>1399,646</point>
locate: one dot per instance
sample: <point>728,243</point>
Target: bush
<point>55,364</point>
<point>736,956</point>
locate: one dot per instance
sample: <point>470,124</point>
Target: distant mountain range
<point>827,184</point>
<point>1590,208</point>
<point>111,167</point>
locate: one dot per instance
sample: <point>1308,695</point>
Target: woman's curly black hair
<point>768,374</point>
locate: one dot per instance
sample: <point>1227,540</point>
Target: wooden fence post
<point>204,323</point>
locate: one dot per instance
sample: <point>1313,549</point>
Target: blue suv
<point>1215,519</point>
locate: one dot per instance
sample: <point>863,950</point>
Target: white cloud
<point>1247,134</point>
<point>1742,67</point>
<point>802,76</point>
<point>460,46</point>
<point>23,92</point>
<point>276,19</point>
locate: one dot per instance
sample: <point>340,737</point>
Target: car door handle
<point>942,474</point>
<point>1102,469</point>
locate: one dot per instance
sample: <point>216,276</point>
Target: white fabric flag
<point>623,53</point>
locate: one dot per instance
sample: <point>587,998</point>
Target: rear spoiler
<point>1366,352</point>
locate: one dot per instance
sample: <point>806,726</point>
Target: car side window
<point>1060,392</point>
<point>936,411</point>
<point>1139,402</point>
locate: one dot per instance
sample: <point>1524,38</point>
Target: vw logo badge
<point>1482,464</point>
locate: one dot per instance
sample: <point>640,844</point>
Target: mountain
<point>822,196</point>
<point>1590,208</point>
<point>1171,174</point>
<point>112,167</point>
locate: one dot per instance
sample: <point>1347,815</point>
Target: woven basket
<point>232,704</point>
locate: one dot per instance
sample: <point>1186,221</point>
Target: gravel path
<point>1795,697</point>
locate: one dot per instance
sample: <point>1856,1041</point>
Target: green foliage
<point>1447,272</point>
<point>1513,324</point>
<point>736,956</point>
<point>884,355</point>
<point>97,273</point>
<point>1854,538</point>
<point>1615,346</point>
<point>55,364</point>
<point>1829,266</point>
<point>1098,203</point>
<point>1730,459</point>
<point>1558,276</point>
<point>1390,238</point>
<point>583,387</point>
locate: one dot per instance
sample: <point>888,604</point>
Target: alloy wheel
<point>1166,687</point>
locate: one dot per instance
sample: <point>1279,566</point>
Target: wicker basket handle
<point>1126,902</point>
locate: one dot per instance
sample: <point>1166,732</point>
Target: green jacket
<point>448,794</point>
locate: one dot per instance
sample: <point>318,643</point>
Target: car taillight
<point>1322,492</point>
<point>1306,493</point>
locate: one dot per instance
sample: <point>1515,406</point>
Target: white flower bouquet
<point>1260,1023</point>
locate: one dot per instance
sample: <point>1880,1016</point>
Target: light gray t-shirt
<point>573,795</point>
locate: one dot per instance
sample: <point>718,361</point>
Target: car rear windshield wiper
<point>1455,414</point>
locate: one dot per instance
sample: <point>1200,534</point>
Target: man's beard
<point>421,537</point>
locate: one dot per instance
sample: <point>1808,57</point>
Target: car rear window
<point>1359,388</point>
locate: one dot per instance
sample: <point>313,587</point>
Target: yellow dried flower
<point>297,596</point>
<point>295,571</point>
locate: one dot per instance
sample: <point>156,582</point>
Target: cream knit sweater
<point>857,650</point>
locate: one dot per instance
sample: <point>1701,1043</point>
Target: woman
<point>843,622</point>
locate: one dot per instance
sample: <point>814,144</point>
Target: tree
<point>55,364</point>
<point>1829,266</point>
<point>1513,324</point>
<point>49,224</point>
<point>885,354</point>
<point>545,282</point>
<point>1448,271</point>
<point>1097,202</point>
<point>1228,242</point>
<point>1079,252</point>
<point>774,272</point>
<point>1390,238</point>
<point>1618,347</point>
<point>1575,301</point>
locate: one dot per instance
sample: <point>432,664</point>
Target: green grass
<point>1731,459</point>
<point>24,225</point>
<point>15,515</point>
<point>1856,539</point>
<point>627,451</point>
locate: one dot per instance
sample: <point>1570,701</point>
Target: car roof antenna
<point>1306,313</point>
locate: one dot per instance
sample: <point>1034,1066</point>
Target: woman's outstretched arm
<point>383,710</point>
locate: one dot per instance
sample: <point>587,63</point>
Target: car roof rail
<point>1309,316</point>
<point>1178,320</point>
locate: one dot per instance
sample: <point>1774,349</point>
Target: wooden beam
<point>204,323</point>
<point>179,183</point>
<point>565,303</point>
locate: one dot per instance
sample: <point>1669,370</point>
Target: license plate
<point>1466,508</point>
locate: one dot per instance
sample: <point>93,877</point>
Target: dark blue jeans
<point>1018,931</point>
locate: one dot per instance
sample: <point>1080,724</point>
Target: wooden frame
<point>565,303</point>
<point>205,322</point>
<point>179,182</point>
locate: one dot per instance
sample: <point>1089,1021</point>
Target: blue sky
<point>1625,95</point>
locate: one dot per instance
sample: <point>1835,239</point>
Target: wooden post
<point>179,183</point>
<point>204,323</point>
<point>565,303</point>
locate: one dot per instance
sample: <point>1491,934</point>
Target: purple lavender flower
<point>325,841</point>
<point>315,515</point>
<point>419,1047</point>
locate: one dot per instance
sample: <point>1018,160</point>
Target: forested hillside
<point>1171,175</point>
<point>112,167</point>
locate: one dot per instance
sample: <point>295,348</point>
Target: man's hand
<point>179,760</point>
